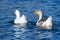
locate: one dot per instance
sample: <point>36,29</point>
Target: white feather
<point>48,23</point>
<point>20,20</point>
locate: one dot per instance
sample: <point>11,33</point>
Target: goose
<point>47,24</point>
<point>20,19</point>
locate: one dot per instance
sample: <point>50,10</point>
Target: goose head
<point>39,12</point>
<point>17,13</point>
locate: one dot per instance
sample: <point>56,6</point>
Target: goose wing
<point>23,18</point>
<point>48,22</point>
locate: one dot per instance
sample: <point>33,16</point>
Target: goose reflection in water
<point>24,34</point>
<point>19,30</point>
<point>43,35</point>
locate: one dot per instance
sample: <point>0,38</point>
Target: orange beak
<point>35,12</point>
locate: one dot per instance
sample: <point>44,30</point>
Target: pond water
<point>10,31</point>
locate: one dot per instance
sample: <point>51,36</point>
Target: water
<point>10,31</point>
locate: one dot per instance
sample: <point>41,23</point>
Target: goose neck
<point>17,16</point>
<point>40,16</point>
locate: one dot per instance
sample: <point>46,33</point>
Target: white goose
<point>47,24</point>
<point>20,19</point>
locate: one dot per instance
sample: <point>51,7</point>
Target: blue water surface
<point>10,31</point>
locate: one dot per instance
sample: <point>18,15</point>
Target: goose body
<point>47,24</point>
<point>20,19</point>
